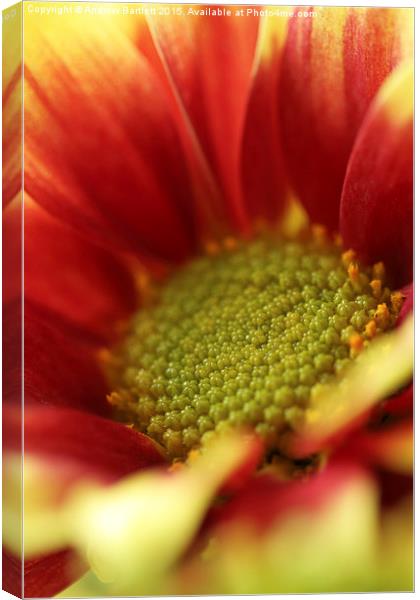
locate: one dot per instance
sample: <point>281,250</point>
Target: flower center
<point>245,337</point>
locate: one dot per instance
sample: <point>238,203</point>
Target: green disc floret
<point>245,338</point>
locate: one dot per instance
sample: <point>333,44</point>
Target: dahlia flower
<point>217,331</point>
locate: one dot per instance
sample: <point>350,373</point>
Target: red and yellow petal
<point>102,150</point>
<point>72,277</point>
<point>209,60</point>
<point>11,147</point>
<point>263,178</point>
<point>12,103</point>
<point>334,63</point>
<point>377,202</point>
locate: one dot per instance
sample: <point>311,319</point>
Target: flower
<point>147,137</point>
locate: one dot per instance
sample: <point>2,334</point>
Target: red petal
<point>81,445</point>
<point>12,300</point>
<point>12,352</point>
<point>262,166</point>
<point>101,448</point>
<point>12,251</point>
<point>333,65</point>
<point>48,575</point>
<point>73,277</point>
<point>377,202</point>
<point>11,574</point>
<point>61,364</point>
<point>101,149</point>
<point>209,59</point>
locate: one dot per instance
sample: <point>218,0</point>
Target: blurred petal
<point>267,500</point>
<point>72,277</point>
<point>333,65</point>
<point>385,366</point>
<point>74,447</point>
<point>394,486</point>
<point>398,406</point>
<point>324,534</point>
<point>377,202</point>
<point>61,364</point>
<point>397,547</point>
<point>262,165</point>
<point>101,149</point>
<point>132,532</point>
<point>209,60</point>
<point>253,450</point>
<point>389,448</point>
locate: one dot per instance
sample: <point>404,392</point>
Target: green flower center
<point>245,338</point>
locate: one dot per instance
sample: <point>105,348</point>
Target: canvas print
<point>207,299</point>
